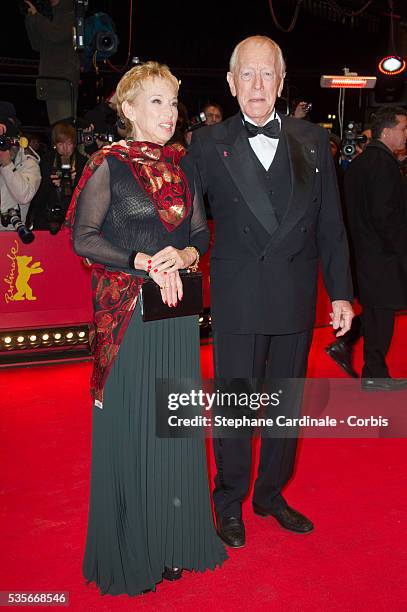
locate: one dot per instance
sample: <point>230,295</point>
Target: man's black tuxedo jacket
<point>264,274</point>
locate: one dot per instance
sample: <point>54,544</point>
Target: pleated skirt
<point>149,501</point>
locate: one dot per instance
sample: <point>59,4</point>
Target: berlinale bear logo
<point>18,286</point>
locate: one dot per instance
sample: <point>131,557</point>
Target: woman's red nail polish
<point>149,261</point>
<point>165,272</point>
<point>155,269</point>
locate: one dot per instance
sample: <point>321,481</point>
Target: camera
<point>351,139</point>
<point>7,142</point>
<point>13,217</point>
<point>64,174</point>
<point>43,7</point>
<point>89,138</point>
<point>55,217</point>
<point>196,122</point>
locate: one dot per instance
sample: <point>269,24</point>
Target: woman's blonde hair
<point>130,84</point>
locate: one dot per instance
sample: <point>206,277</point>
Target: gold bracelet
<point>194,266</point>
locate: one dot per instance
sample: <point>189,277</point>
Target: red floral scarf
<point>115,293</point>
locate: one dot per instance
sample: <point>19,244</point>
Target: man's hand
<point>31,10</point>
<point>301,110</point>
<point>5,158</point>
<point>341,317</point>
<point>55,180</point>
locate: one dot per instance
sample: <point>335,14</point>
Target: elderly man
<point>272,190</point>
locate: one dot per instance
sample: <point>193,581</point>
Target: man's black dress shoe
<point>288,518</point>
<point>342,354</point>
<point>172,573</point>
<point>384,384</point>
<point>231,530</point>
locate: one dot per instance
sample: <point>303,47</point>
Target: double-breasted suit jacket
<point>271,227</point>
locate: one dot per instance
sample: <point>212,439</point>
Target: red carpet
<point>354,490</point>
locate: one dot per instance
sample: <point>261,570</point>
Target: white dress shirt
<point>264,147</point>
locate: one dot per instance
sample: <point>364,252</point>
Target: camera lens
<point>4,143</point>
<point>349,150</point>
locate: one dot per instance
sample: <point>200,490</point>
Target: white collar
<point>272,116</point>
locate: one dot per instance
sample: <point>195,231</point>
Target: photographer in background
<point>61,169</point>
<point>20,175</point>
<point>213,113</point>
<point>58,58</point>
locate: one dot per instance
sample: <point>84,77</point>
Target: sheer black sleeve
<point>199,232</point>
<point>92,208</point>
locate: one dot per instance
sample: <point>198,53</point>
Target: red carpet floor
<point>354,490</point>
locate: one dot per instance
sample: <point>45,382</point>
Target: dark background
<point>196,40</point>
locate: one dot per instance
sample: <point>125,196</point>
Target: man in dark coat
<point>273,194</point>
<point>58,58</point>
<point>377,214</point>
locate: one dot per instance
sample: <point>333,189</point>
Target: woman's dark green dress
<point>149,503</point>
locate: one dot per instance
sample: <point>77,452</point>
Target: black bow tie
<point>272,129</point>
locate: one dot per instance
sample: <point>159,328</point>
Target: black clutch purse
<point>153,308</point>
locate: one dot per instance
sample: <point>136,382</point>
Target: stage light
<point>45,337</point>
<point>57,336</point>
<point>33,338</point>
<point>7,340</point>
<point>20,339</point>
<point>81,334</point>
<point>392,65</point>
<point>69,335</point>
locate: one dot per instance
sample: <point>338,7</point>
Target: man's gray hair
<point>261,40</point>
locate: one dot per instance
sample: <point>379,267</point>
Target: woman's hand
<point>170,285</point>
<point>171,259</point>
<point>169,282</point>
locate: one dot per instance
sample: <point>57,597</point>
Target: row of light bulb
<point>45,337</point>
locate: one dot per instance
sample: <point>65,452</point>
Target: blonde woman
<point>133,212</point>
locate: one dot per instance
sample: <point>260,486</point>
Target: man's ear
<point>280,87</point>
<point>231,80</point>
<point>129,111</point>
